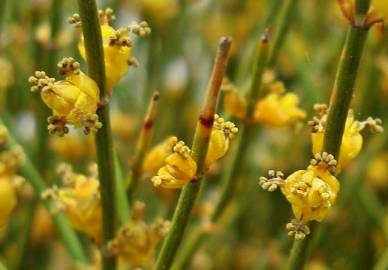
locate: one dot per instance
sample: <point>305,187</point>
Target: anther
<point>298,229</point>
<point>274,180</point>
<point>68,66</point>
<point>75,20</point>
<point>324,161</point>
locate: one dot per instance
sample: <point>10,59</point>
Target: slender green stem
<point>123,210</point>
<point>42,149</point>
<point>282,25</point>
<point>104,145</point>
<point>231,174</point>
<point>143,144</point>
<point>3,5</point>
<point>338,109</point>
<point>199,151</point>
<point>67,234</point>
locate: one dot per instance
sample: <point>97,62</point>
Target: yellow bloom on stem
<point>135,242</point>
<point>172,158</point>
<point>278,110</point>
<point>73,101</point>
<point>311,192</point>
<point>220,137</point>
<point>179,168</point>
<point>351,140</point>
<point>156,156</point>
<point>79,198</point>
<point>117,46</point>
<point>7,199</point>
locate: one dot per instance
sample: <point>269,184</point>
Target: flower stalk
<point>282,26</point>
<point>143,144</point>
<point>104,145</point>
<point>339,105</point>
<point>199,152</point>
<point>231,175</point>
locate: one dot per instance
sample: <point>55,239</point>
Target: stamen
<point>275,179</point>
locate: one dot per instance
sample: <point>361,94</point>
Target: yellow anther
<point>75,20</point>
<point>68,66</point>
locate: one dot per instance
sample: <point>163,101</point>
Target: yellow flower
<point>235,104</point>
<point>278,110</point>
<point>80,199</point>
<point>352,139</point>
<point>222,133</point>
<point>6,74</point>
<point>159,12</point>
<point>377,172</point>
<point>311,193</point>
<point>156,156</point>
<point>135,242</point>
<point>7,199</point>
<point>179,168</point>
<point>73,101</point>
<point>117,46</point>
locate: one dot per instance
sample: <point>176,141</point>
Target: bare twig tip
<point>265,37</point>
<point>225,43</point>
<point>155,96</point>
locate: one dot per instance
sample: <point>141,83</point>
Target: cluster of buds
<point>311,192</point>
<point>10,159</point>
<point>172,158</point>
<point>79,198</point>
<point>117,45</point>
<point>73,101</point>
<point>135,241</point>
<point>275,109</point>
<point>352,139</point>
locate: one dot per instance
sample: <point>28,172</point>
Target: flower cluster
<point>79,198</point>
<point>275,109</point>
<point>73,101</point>
<point>172,158</point>
<point>351,140</point>
<point>135,241</point>
<point>117,45</point>
<point>9,180</point>
<point>311,192</point>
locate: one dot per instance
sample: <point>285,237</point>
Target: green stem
<point>338,110</point>
<point>68,236</point>
<point>42,149</point>
<point>282,25</point>
<point>3,5</point>
<point>142,146</point>
<point>232,174</point>
<point>122,206</point>
<point>104,145</point>
<point>199,151</point>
